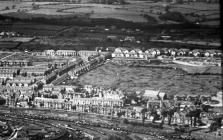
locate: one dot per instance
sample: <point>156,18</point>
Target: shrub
<point>125,121</point>
<point>2,101</point>
<point>174,16</point>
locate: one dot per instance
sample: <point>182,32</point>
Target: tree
<point>41,104</point>
<point>125,121</point>
<point>2,101</point>
<point>35,6</point>
<point>133,113</point>
<point>13,6</point>
<point>195,113</point>
<point>119,114</point>
<point>24,74</point>
<point>205,108</point>
<point>7,8</point>
<point>180,1</point>
<point>154,113</point>
<point>174,16</point>
<point>167,8</point>
<point>143,111</point>
<point>29,103</point>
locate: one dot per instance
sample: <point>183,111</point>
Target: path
<point>9,55</point>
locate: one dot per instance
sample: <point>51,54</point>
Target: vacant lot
<point>140,78</point>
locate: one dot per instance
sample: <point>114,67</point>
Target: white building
<point>66,52</point>
<point>153,95</point>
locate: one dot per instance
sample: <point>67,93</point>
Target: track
<point>64,133</point>
<point>71,126</point>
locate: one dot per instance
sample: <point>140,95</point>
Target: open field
<point>19,56</point>
<point>4,54</point>
<point>8,45</point>
<point>133,11</point>
<point>33,29</point>
<point>140,78</point>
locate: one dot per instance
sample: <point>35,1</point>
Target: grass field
<point>33,29</point>
<point>129,12</point>
<point>4,54</point>
<point>141,78</point>
<point>8,45</point>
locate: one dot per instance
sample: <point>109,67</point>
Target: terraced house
<point>35,71</point>
<point>20,63</point>
<point>21,82</point>
<point>8,72</point>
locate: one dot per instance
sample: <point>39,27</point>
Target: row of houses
<point>8,72</point>
<point>28,71</point>
<point>137,53</point>
<point>55,53</point>
<point>71,92</point>
<point>192,98</point>
<point>65,53</point>
<point>35,71</point>
<point>20,63</point>
<point>21,81</point>
<point>78,101</point>
<point>15,89</point>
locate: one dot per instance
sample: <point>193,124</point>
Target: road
<point>9,55</point>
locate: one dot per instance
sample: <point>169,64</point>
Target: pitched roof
<point>154,94</point>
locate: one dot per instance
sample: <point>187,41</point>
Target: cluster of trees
<point>2,101</point>
<point>173,16</point>
<point>150,19</point>
<point>35,6</point>
<point>8,8</point>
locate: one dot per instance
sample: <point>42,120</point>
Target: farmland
<point>33,29</point>
<point>140,78</point>
<point>52,24</point>
<point>133,11</point>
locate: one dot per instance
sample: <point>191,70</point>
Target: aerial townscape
<point>110,70</point>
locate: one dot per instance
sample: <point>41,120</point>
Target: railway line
<point>63,135</point>
<point>70,127</point>
<point>66,132</point>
